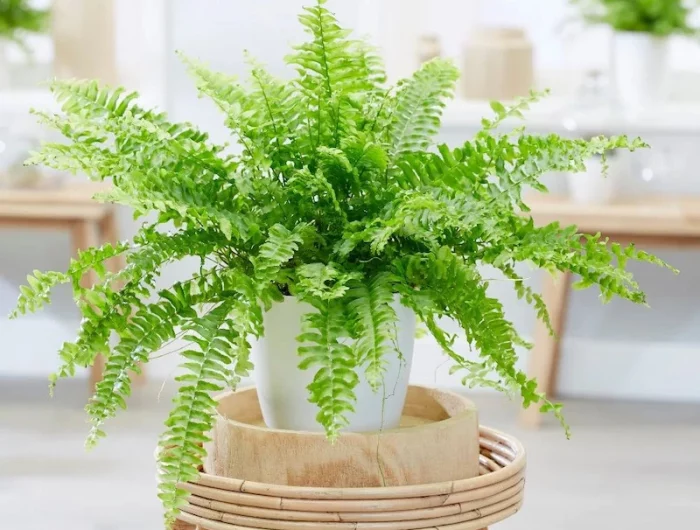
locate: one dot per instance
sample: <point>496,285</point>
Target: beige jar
<point>84,39</point>
<point>498,64</point>
<point>428,48</point>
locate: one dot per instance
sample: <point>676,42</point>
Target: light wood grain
<point>359,505</point>
<point>648,216</point>
<point>241,449</point>
<point>359,517</point>
<point>276,495</point>
<point>182,525</point>
<point>71,208</point>
<point>468,504</point>
<point>52,212</point>
<point>71,193</point>
<point>109,231</point>
<point>415,499</point>
<point>86,234</point>
<point>488,516</point>
<point>231,521</point>
<point>649,221</point>
<point>70,202</point>
<point>544,358</point>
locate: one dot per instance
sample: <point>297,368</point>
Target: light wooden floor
<point>628,467</point>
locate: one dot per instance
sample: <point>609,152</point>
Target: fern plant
<point>661,18</point>
<point>18,17</point>
<point>334,194</point>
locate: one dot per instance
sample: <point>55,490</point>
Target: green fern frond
<point>187,427</point>
<point>277,251</point>
<point>106,307</point>
<point>516,110</point>
<point>374,318</point>
<point>332,70</point>
<point>89,99</point>
<point>280,120</point>
<point>419,105</point>
<point>149,328</point>
<point>327,58</point>
<point>321,348</point>
<point>37,293</point>
<point>323,282</point>
<point>459,286</point>
<point>242,115</point>
<point>525,292</point>
<point>303,183</point>
<point>184,210</point>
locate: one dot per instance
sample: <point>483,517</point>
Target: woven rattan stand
<point>218,503</point>
<point>437,470</point>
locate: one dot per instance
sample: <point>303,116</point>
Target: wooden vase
<point>438,441</point>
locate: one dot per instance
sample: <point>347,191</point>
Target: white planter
<point>591,187</point>
<point>282,386</point>
<point>640,70</point>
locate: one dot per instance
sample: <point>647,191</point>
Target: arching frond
<point>206,369</point>
<point>374,321</point>
<point>321,348</point>
<point>419,105</point>
<point>277,251</point>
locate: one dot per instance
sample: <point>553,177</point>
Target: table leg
<point>84,234</point>
<point>544,357</point>
<point>109,230</point>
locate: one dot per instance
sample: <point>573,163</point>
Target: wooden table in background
<point>650,221</point>
<point>69,208</point>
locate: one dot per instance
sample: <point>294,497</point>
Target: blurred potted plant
<point>17,18</point>
<point>328,234</point>
<point>641,42</point>
<point>599,183</point>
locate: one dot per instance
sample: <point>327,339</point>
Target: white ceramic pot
<point>282,386</point>
<point>591,187</point>
<point>640,69</point>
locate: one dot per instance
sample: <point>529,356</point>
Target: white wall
<point>618,350</point>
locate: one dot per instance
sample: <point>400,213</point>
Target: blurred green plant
<point>18,17</point>
<point>661,18</point>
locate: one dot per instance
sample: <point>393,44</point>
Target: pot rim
<point>469,408</point>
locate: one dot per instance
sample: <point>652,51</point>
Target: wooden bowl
<point>438,441</point>
<point>218,503</point>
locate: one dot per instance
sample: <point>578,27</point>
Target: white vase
<point>640,70</point>
<point>284,398</point>
<point>591,186</point>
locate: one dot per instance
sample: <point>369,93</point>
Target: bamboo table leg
<point>544,357</point>
<point>84,235</point>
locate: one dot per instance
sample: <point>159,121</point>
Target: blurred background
<point>629,375</point>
